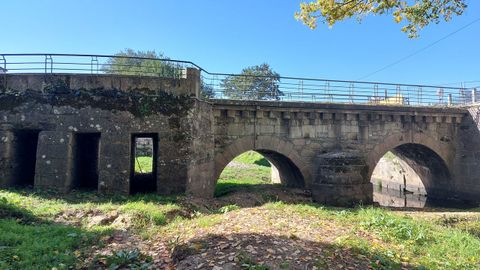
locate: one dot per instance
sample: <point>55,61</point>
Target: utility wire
<point>421,50</point>
<point>462,82</point>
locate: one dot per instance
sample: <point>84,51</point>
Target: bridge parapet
<point>64,83</point>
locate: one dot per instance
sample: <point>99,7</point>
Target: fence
<point>244,87</point>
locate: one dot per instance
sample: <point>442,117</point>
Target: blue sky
<point>226,36</point>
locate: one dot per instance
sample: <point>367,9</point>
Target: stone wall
<point>467,156</point>
<point>390,172</point>
<point>336,147</point>
<point>331,149</point>
<point>58,107</point>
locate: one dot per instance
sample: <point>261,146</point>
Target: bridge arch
<point>429,158</point>
<point>293,170</point>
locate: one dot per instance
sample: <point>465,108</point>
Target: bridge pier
<point>341,180</point>
<point>7,159</point>
<point>53,160</point>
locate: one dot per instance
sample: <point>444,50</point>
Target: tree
<point>127,64</point>
<point>206,91</point>
<point>416,13</point>
<point>146,63</point>
<point>256,82</point>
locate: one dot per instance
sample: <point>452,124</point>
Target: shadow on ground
<point>256,251</point>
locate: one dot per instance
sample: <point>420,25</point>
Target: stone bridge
<point>67,131</point>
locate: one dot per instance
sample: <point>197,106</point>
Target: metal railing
<point>93,64</point>
<point>244,87</point>
<point>234,86</point>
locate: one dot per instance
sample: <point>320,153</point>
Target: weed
<point>130,259</point>
<point>248,263</point>
<point>228,208</point>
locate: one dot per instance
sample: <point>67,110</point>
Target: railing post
<point>474,95</point>
<point>449,99</point>
<point>4,63</point>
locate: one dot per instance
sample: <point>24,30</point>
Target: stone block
<point>286,115</point>
<point>342,195</point>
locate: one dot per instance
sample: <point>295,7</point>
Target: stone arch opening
<point>258,167</point>
<point>409,174</point>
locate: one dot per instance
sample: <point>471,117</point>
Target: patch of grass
<point>431,246</point>
<point>206,221</point>
<point>252,157</point>
<point>11,211</point>
<point>233,178</point>
<point>393,228</point>
<point>29,238</point>
<point>228,208</point>
<point>246,262</point>
<point>143,164</point>
<point>470,225</point>
<point>147,213</point>
<point>123,259</point>
<point>41,246</point>
<point>398,239</point>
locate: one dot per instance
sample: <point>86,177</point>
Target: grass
<point>143,164</point>
<point>252,157</point>
<point>31,237</point>
<point>27,241</point>
<point>233,178</point>
<point>424,243</point>
<point>30,246</point>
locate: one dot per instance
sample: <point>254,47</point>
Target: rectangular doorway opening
<point>143,163</point>
<point>26,142</point>
<point>85,161</point>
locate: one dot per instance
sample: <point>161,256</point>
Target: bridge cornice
<point>287,105</point>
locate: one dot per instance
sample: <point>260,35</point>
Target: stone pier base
<point>341,180</point>
<point>343,194</point>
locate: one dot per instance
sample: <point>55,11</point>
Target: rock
<point>229,266</point>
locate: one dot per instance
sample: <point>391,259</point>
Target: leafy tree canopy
<point>206,90</point>
<point>138,66</point>
<point>257,82</point>
<point>149,67</point>
<point>416,14</point>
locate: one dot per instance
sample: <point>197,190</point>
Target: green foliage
<point>233,179</point>
<point>228,208</point>
<point>40,246</point>
<point>395,229</point>
<point>143,164</point>
<point>147,213</point>
<point>148,63</point>
<point>206,91</point>
<point>417,13</point>
<point>11,211</point>
<point>257,82</point>
<point>145,64</point>
<point>124,259</point>
<point>246,262</point>
<point>252,157</point>
<point>433,246</point>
